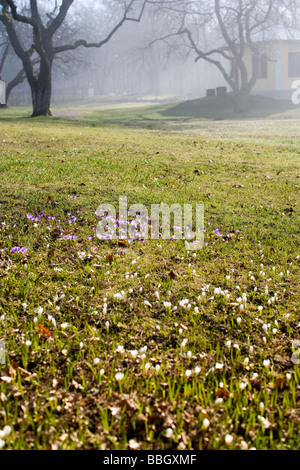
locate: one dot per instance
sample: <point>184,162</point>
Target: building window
<point>262,66</point>
<point>294,64</point>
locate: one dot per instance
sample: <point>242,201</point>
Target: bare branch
<point>206,56</point>
<point>84,43</point>
<point>10,6</point>
<point>56,22</point>
<point>4,56</point>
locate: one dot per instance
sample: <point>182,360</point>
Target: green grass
<point>62,391</point>
<point>161,113</point>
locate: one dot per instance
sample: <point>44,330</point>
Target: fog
<point>135,63</point>
<point>132,64</point>
<point>142,60</point>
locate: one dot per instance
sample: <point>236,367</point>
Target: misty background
<point>143,59</point>
<point>133,63</point>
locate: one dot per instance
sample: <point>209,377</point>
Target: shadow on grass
<point>222,108</point>
<point>159,116</point>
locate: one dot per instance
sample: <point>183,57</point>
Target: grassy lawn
<point>142,344</point>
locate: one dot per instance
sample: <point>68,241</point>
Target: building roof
<point>276,33</point>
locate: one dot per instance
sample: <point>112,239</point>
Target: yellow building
<point>279,64</point>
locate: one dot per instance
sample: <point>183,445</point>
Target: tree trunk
<point>241,102</point>
<point>41,97</point>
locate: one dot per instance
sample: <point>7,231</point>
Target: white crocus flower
<point>266,363</point>
<point>228,439</point>
<point>119,376</point>
<point>206,423</point>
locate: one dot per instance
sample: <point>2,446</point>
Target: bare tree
<point>220,32</point>
<point>11,68</point>
<point>17,76</point>
<point>46,26</point>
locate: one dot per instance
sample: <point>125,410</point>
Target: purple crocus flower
<point>19,249</point>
